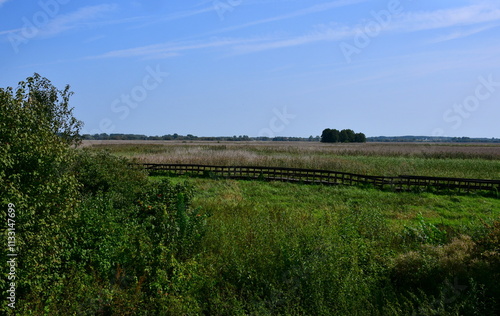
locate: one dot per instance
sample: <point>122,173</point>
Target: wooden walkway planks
<point>400,183</point>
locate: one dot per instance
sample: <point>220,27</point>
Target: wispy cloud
<point>66,22</point>
<point>175,16</point>
<point>170,49</point>
<point>321,34</point>
<point>469,15</point>
<point>474,17</point>
<point>239,45</point>
<point>94,38</point>
<point>310,10</point>
<point>6,32</point>
<point>462,33</point>
<point>2,2</point>
<point>403,23</point>
<point>197,9</point>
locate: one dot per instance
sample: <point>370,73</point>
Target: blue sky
<point>264,68</point>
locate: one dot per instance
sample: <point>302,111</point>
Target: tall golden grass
<point>389,159</point>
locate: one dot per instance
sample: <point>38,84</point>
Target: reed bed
<point>480,161</point>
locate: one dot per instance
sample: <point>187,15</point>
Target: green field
<point>122,242</point>
<point>294,249</point>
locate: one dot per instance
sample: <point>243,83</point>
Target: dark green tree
<point>327,136</point>
<point>346,136</point>
<point>330,136</point>
<point>360,138</point>
<point>336,135</point>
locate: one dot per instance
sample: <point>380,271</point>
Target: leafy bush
<point>101,172</point>
<point>133,254</point>
<point>470,266</point>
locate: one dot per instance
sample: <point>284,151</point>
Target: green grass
<point>274,247</point>
<point>310,201</point>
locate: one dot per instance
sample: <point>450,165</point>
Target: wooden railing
<point>400,183</point>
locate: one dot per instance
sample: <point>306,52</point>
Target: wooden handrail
<point>399,183</point>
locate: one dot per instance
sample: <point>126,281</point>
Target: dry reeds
<point>388,159</point>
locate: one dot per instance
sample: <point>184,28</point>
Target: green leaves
<point>36,129</point>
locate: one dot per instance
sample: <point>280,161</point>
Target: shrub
<point>102,172</point>
<point>466,267</point>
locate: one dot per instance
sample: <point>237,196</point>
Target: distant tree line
<point>190,137</point>
<point>332,134</point>
<point>343,136</point>
<point>431,139</point>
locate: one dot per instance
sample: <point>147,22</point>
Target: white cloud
<point>165,50</point>
<point>175,16</point>
<point>240,45</point>
<point>2,2</point>
<point>462,33</point>
<point>62,23</point>
<point>310,10</point>
<point>469,15</point>
<point>402,23</point>
<point>323,33</point>
<point>473,17</point>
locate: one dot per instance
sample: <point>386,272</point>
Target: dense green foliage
<point>344,136</point>
<point>36,130</point>
<point>92,234</point>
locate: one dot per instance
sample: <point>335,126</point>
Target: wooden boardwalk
<point>400,183</point>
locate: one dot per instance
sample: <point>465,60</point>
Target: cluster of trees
<point>343,136</point>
